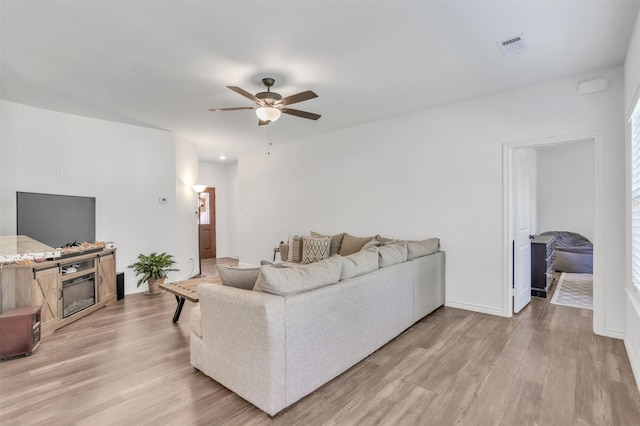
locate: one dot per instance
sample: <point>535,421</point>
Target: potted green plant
<point>153,268</point>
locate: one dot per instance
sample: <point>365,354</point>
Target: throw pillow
<point>315,249</point>
<point>422,248</point>
<point>289,281</point>
<point>295,249</point>
<point>359,263</point>
<point>273,265</point>
<point>351,244</point>
<point>390,254</point>
<point>244,278</point>
<point>373,243</point>
<point>336,241</point>
<point>284,252</point>
<point>384,240</point>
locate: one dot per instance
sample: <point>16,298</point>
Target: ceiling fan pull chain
<point>268,140</point>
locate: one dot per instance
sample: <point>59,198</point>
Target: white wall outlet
<point>60,173</point>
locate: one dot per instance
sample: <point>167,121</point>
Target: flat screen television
<point>56,220</point>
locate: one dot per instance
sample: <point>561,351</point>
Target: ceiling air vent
<point>513,45</point>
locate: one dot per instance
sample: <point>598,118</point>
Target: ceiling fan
<point>269,105</point>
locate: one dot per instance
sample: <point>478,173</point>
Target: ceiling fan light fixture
<point>268,113</point>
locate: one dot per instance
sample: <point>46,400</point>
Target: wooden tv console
<point>41,284</point>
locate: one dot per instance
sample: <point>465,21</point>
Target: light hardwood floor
<point>127,364</point>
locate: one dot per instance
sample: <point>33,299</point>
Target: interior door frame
<point>211,191</point>
<point>597,138</point>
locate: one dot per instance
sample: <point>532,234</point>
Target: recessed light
<point>222,157</point>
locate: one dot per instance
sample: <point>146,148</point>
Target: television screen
<point>56,220</point>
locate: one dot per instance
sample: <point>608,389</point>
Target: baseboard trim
<point>614,334</point>
<point>475,308</point>
<point>634,360</point>
<point>632,343</point>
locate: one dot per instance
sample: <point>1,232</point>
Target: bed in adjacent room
<point>574,252</point>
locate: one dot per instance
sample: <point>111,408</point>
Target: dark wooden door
<point>208,223</point>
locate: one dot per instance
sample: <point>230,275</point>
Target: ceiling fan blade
<point>230,109</point>
<point>298,97</point>
<point>303,114</point>
<point>243,93</point>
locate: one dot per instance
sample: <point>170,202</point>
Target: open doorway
<point>543,216</point>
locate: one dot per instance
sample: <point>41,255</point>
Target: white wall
<point>223,177</point>
<point>434,173</point>
<point>632,68</point>
<point>565,188</point>
<point>127,169</point>
<point>632,95</point>
<point>186,240</point>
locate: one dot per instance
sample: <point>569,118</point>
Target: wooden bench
<point>186,290</point>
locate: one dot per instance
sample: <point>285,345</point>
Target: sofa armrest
<point>243,337</point>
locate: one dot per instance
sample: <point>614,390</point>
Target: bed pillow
<point>422,248</point>
<point>289,281</point>
<point>391,254</point>
<point>351,244</point>
<point>359,263</point>
<point>315,249</point>
<point>336,241</point>
<point>244,278</point>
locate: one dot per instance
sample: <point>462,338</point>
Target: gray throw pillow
<point>359,263</point>
<point>422,248</point>
<point>289,281</point>
<point>393,253</point>
<point>244,278</point>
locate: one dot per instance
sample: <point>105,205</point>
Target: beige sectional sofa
<point>300,327</point>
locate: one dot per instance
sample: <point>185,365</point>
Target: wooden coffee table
<point>186,290</point>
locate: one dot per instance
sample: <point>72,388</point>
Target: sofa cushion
<point>288,281</point>
<point>390,254</point>
<point>351,244</point>
<point>244,278</point>
<point>336,241</point>
<point>315,249</point>
<point>295,249</point>
<point>196,324</point>
<point>422,248</point>
<point>359,263</point>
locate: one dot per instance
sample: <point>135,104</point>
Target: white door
<point>524,162</point>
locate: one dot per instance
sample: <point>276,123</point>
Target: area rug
<point>574,290</point>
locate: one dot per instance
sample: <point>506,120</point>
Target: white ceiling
<point>163,64</point>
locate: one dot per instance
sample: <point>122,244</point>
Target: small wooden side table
<point>19,331</point>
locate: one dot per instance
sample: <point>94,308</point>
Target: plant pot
<point>154,287</point>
